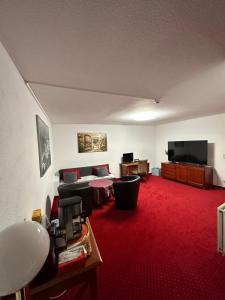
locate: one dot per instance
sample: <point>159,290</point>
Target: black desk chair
<point>82,190</point>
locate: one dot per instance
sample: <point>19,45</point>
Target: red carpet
<point>165,249</point>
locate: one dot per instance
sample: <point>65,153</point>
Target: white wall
<point>120,138</point>
<point>211,128</point>
<point>147,142</point>
<point>21,187</point>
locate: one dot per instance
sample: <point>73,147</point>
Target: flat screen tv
<point>195,152</point>
<point>128,157</point>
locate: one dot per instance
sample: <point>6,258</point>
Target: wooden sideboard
<point>201,176</point>
<point>134,167</point>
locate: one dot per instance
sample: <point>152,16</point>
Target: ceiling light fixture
<point>144,116</point>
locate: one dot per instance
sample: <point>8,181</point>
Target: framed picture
<point>43,145</point>
<point>91,142</point>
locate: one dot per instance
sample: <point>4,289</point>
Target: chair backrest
<point>82,190</point>
<point>69,208</point>
<point>126,192</point>
<point>143,167</point>
<point>130,178</point>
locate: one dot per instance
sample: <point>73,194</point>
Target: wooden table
<point>99,184</point>
<point>59,285</point>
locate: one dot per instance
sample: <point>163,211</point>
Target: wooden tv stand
<point>197,175</point>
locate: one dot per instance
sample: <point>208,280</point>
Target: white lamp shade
<point>24,248</point>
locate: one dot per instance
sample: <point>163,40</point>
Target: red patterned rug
<point>165,249</point>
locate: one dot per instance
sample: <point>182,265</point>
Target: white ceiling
<point>102,61</point>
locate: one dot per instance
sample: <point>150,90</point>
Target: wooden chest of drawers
<point>196,175</point>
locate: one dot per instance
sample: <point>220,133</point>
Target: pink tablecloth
<point>101,183</point>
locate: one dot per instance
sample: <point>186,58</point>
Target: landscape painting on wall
<point>43,145</point>
<point>91,142</point>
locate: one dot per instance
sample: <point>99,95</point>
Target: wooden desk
<point>131,168</point>
<point>61,283</point>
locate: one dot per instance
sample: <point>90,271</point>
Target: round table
<point>100,184</point>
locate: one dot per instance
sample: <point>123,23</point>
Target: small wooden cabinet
<point>201,176</point>
<point>134,167</point>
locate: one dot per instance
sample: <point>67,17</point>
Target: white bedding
<point>91,177</point>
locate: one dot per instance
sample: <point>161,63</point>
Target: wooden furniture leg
<point>93,284</point>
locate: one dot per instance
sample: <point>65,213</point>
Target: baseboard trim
<point>218,187</point>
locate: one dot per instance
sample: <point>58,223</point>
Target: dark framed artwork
<point>91,142</point>
<point>43,145</point>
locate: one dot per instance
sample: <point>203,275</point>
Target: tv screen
<point>188,151</point>
<point>128,157</point>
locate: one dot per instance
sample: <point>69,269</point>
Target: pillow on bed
<point>69,177</point>
<point>101,172</point>
<point>76,171</point>
<point>94,169</point>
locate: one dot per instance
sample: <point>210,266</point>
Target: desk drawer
<point>169,167</point>
<point>169,174</point>
<point>59,288</point>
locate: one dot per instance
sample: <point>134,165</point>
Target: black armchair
<point>82,190</point>
<point>126,192</point>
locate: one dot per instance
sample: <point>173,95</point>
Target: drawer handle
<point>58,296</point>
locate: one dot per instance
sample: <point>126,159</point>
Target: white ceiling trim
<point>153,99</point>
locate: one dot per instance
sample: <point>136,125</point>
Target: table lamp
<point>24,247</point>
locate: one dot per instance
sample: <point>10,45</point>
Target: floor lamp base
<point>19,295</point>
